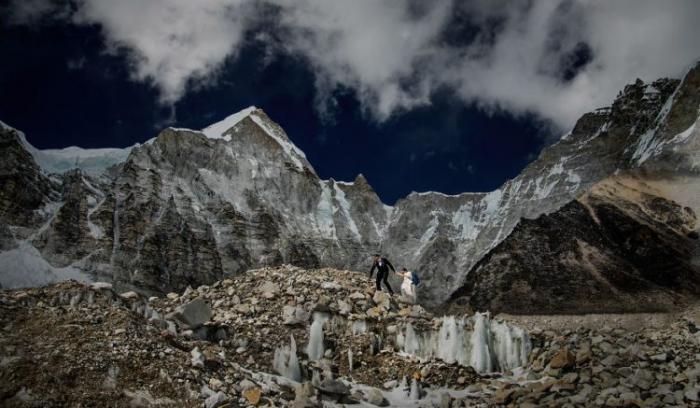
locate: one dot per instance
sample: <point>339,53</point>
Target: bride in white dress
<point>408,289</point>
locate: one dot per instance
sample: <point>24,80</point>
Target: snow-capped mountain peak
<point>218,130</point>
<point>226,127</point>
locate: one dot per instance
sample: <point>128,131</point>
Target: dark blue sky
<point>59,86</point>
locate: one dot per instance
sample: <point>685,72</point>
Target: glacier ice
<point>414,394</point>
<point>286,362</point>
<point>358,327</point>
<point>477,341</point>
<point>480,356</point>
<point>345,207</point>
<point>24,266</point>
<point>315,347</point>
<point>91,161</point>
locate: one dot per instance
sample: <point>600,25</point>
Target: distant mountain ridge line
<point>185,209</point>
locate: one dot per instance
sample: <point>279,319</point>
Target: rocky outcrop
<point>25,191</point>
<point>617,248</point>
<point>68,236</point>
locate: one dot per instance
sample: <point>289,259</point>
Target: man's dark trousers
<point>382,276</point>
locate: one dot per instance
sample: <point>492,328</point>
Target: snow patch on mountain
<point>464,220</point>
<point>218,129</point>
<point>324,213</point>
<point>230,192</point>
<point>345,207</point>
<point>492,200</point>
<point>437,193</point>
<point>91,161</point>
<point>24,266</point>
<point>429,233</point>
<point>649,144</point>
<point>684,135</point>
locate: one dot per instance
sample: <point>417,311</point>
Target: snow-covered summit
<point>220,129</point>
<point>217,130</point>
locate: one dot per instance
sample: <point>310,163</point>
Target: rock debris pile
<point>287,336</point>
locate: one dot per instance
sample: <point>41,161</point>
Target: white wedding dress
<point>407,286</point>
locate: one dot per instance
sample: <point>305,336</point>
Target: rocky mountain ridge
<point>191,207</point>
<point>619,247</point>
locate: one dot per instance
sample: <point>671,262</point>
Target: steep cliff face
<point>25,190</point>
<point>620,247</point>
<point>70,235</point>
<point>189,206</point>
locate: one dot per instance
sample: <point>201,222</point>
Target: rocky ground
<point>72,344</point>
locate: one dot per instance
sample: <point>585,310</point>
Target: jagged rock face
<point>462,229</point>
<point>189,207</point>
<point>193,206</point>
<point>24,189</point>
<point>618,248</point>
<point>672,148</point>
<point>68,236</point>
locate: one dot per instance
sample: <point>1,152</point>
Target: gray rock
<point>216,400</point>
<point>583,395</point>
<point>642,379</point>
<point>246,385</point>
<point>197,359</point>
<point>390,384</point>
<point>333,387</point>
<point>294,315</point>
<point>101,286</point>
<point>382,300</point>
<point>192,314</point>
<point>570,377</point>
<point>344,308</point>
<point>445,400</point>
<point>269,289</point>
<point>357,296</point>
<point>330,286</point>
<point>659,358</point>
<point>129,295</point>
<point>625,371</point>
<point>629,398</point>
<point>611,361</point>
<point>691,393</point>
<point>693,373</point>
<point>375,397</point>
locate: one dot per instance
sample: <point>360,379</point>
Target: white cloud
<point>172,41</point>
<point>394,54</point>
<point>168,42</point>
<point>373,47</point>
<point>628,39</point>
